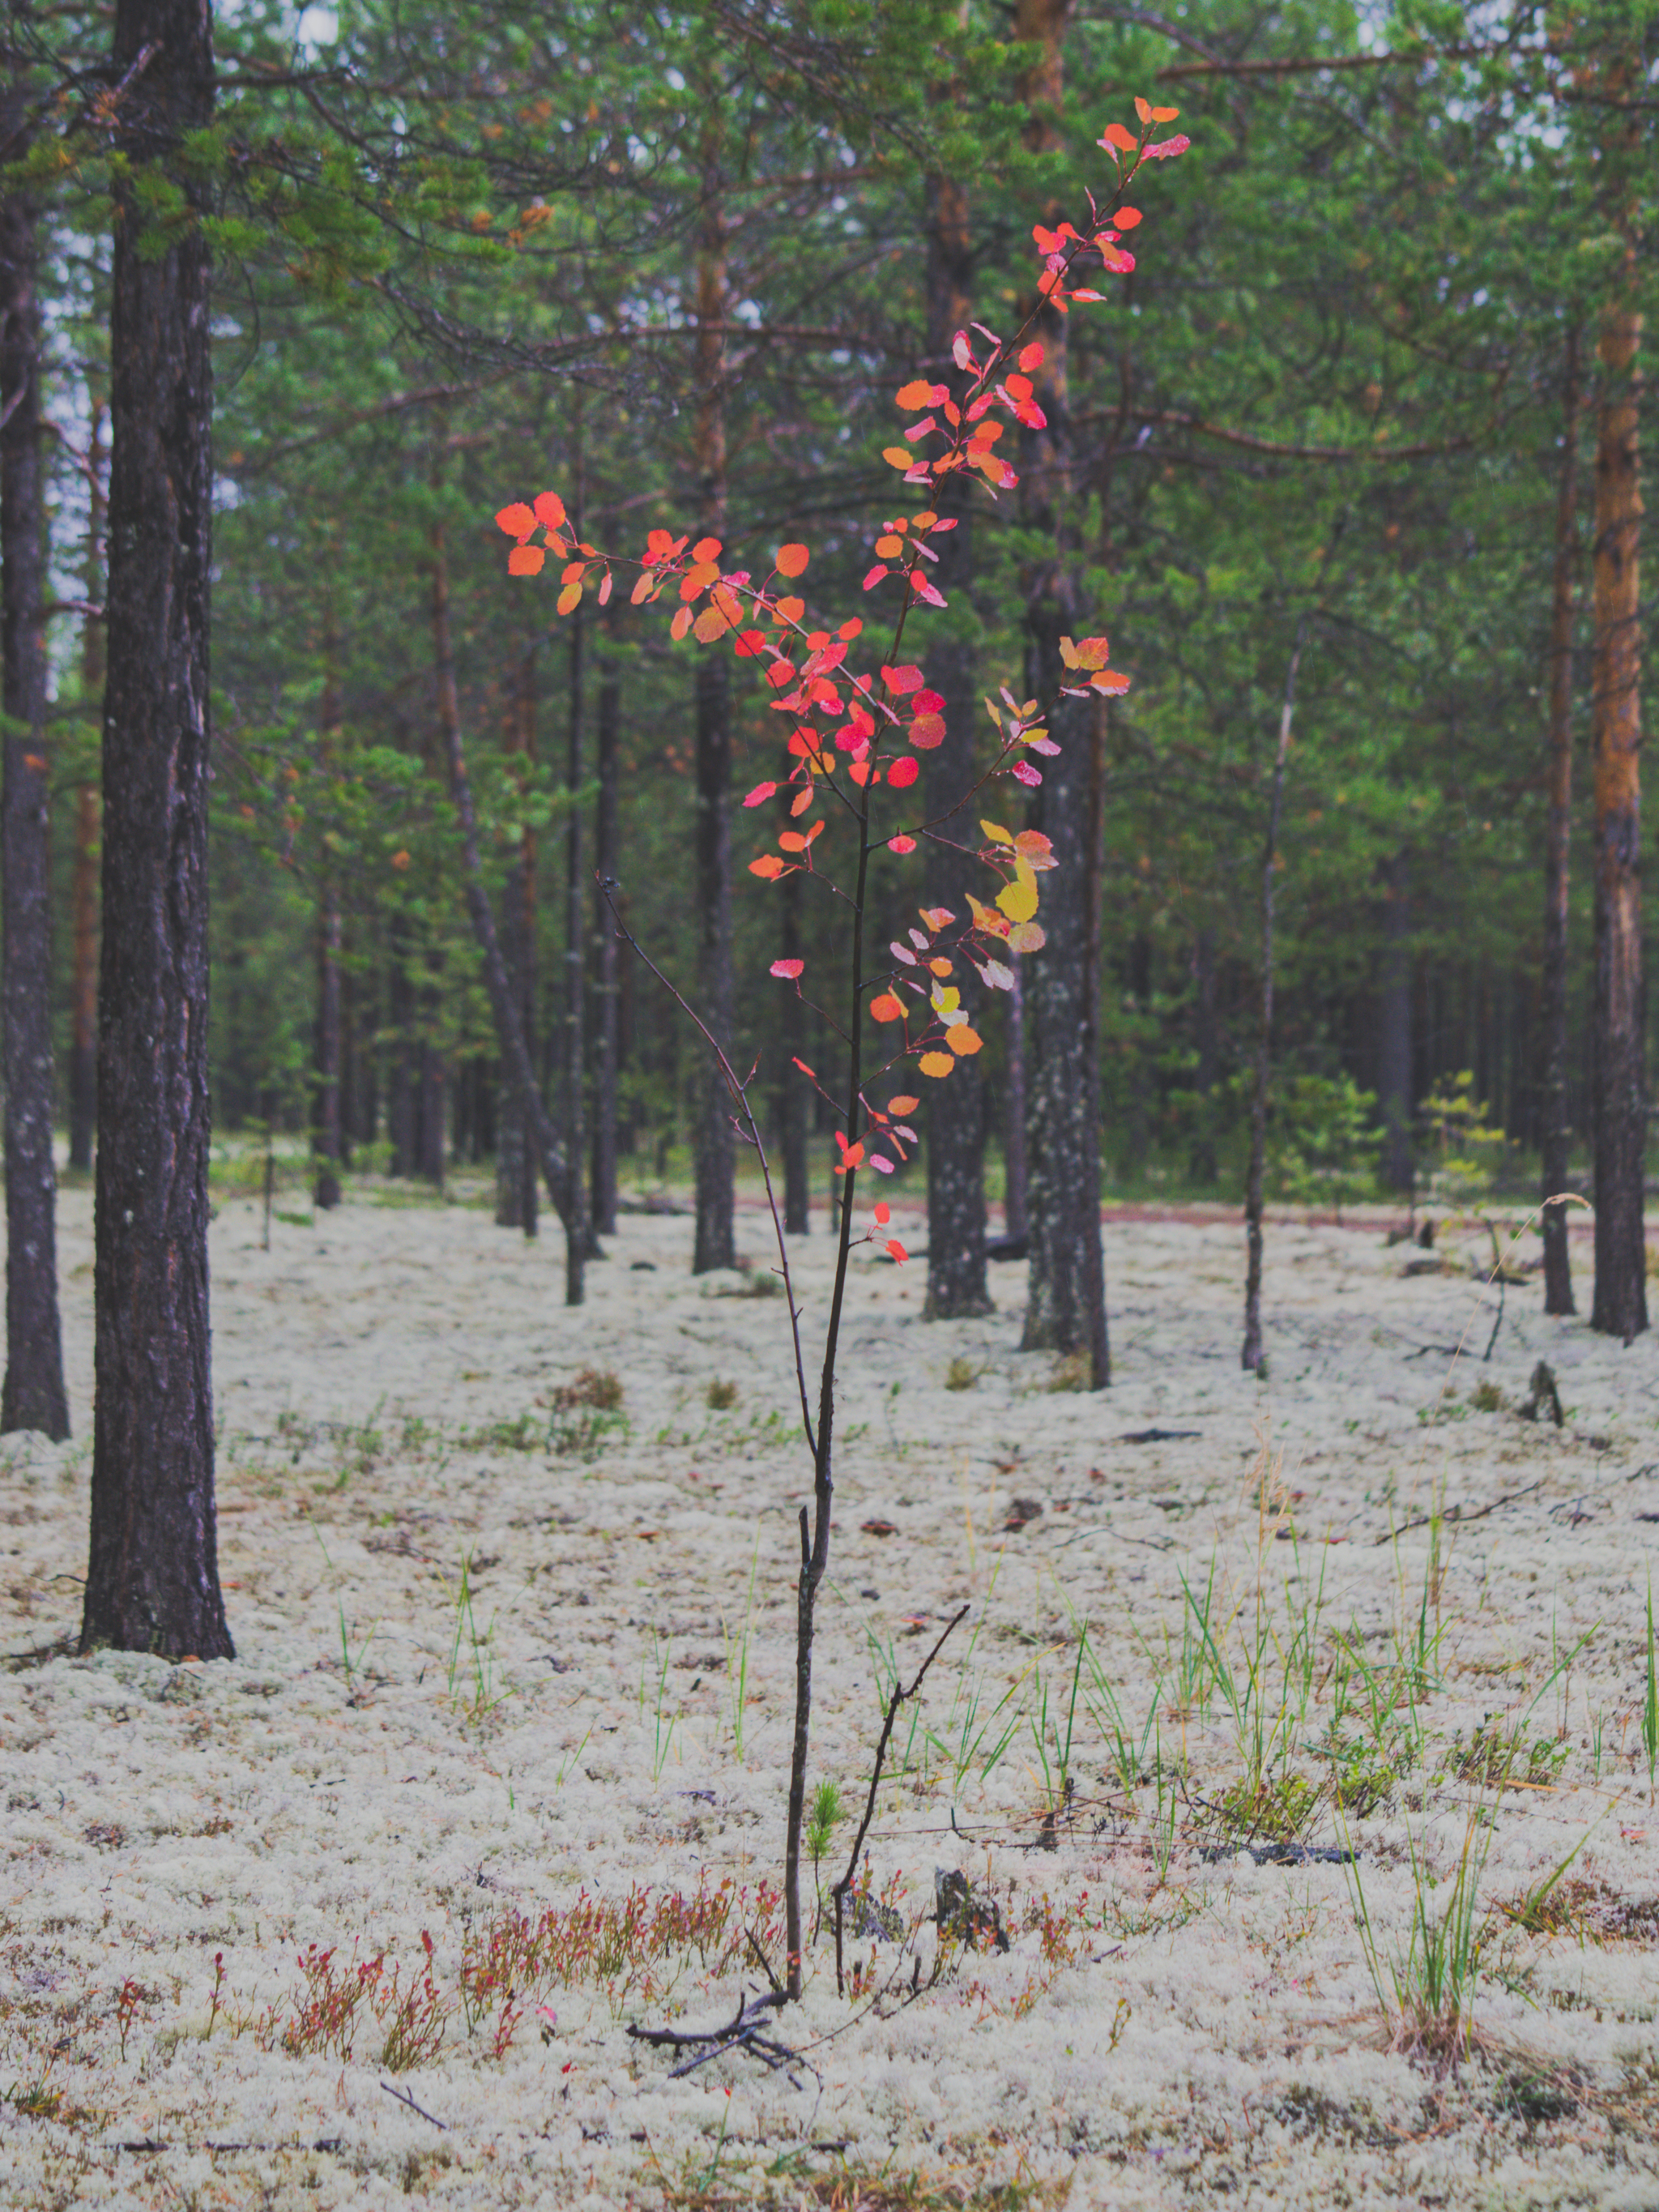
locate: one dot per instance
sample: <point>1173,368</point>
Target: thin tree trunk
<point>515,1156</point>
<point>1557,1128</point>
<point>401,1091</point>
<point>1066,1309</point>
<point>434,1081</point>
<point>89,815</point>
<point>1394,1073</point>
<point>794,1097</point>
<point>715,1243</point>
<point>957,1285</point>
<point>153,1572</point>
<point>325,1122</point>
<point>33,1396</point>
<point>510,1037</point>
<point>1620,1307</point>
<point>1204,1042</point>
<point>606,864</point>
<point>1016,1220</point>
<point>1250,1358</point>
<point>576,1232</point>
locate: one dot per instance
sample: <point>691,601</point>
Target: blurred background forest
<point>465,253</point>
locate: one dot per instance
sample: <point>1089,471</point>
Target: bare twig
<point>900,1696</point>
<point>1456,1513</point>
<point>404,2098</point>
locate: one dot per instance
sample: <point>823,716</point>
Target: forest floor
<point>498,1771</point>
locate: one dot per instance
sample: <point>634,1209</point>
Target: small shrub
<point>1488,1398</point>
<point>596,1387</point>
<point>1071,1373</point>
<point>1278,1810</point>
<point>961,1375</point>
<point>721,1397</point>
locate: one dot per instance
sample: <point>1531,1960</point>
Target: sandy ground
<point>394,1760</point>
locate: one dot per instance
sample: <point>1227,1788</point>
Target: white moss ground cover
<point>539,1775</point>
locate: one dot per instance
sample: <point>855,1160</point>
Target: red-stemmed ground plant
<point>853,734</point>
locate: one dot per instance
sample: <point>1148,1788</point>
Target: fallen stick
<point>1456,1513</point>
<point>404,2098</point>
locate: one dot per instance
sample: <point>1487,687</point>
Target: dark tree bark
<point>607,858</point>
<point>1250,1355</point>
<point>88,815</point>
<point>1620,1307</point>
<point>1066,1310</point>
<point>794,1095</point>
<point>430,1156</point>
<point>1552,1102</point>
<point>955,1113</point>
<point>715,1146</point>
<point>1396,1093</point>
<point>33,1396</point>
<point>515,1156</point>
<point>325,1056</point>
<point>153,1573</point>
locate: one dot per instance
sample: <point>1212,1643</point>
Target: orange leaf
<point>884,1213</point>
<point>1127,218</point>
<point>710,625</point>
<point>790,610</point>
<point>851,628</point>
<point>896,1251</point>
<point>1117,136</point>
<point>792,560</point>
<point>518,520</point>
<point>886,1008</point>
<point>897,457</point>
<point>937,1064</point>
<point>903,1104</point>
<point>570,596</point>
<point>550,510</point>
<point>801,800</point>
<point>936,917</point>
<point>963,1040</point>
<point>525,561</point>
<point>1165,114</point>
<point>642,588</point>
<point>1143,108</point>
<point>890,548</point>
<point>706,549</point>
<point>919,393</point>
<point>1027,936</point>
<point>768,865</point>
<point>681,623</point>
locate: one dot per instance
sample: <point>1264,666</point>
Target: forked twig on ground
<point>900,1696</point>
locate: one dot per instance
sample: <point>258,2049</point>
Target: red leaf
<point>1117,136</point>
<point>886,1008</point>
<point>525,561</point>
<point>768,865</point>
<point>518,520</point>
<point>929,703</point>
<point>896,1251</point>
<point>761,791</point>
<point>903,771</point>
<point>1023,772</point>
<point>901,680</point>
<point>780,674</point>
<point>882,1164</point>
<point>804,1068</point>
<point>787,970</point>
<point>1127,218</point>
<point>1031,358</point>
<point>928,731</point>
<point>749,644</point>
<point>901,844</point>
<point>706,549</point>
<point>1167,149</point>
<point>884,1213</point>
<point>550,510</point>
<point>792,560</point>
<point>875,576</point>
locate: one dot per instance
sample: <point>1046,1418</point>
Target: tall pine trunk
<point>1620,1305</point>
<point>1066,1308</point>
<point>1250,1357</point>
<point>1393,1039</point>
<point>1206,1044</point>
<point>88,817</point>
<point>955,1117</point>
<point>714,1245</point>
<point>515,1155</point>
<point>1552,1102</point>
<point>576,1232</point>
<point>326,1047</point>
<point>606,863</point>
<point>153,1571</point>
<point>33,1395</point>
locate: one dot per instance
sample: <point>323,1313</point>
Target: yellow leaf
<point>996,832</point>
<point>1018,900</point>
<point>570,596</point>
<point>963,1041</point>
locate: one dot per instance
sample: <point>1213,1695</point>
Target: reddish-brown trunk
<point>1558,837</point>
